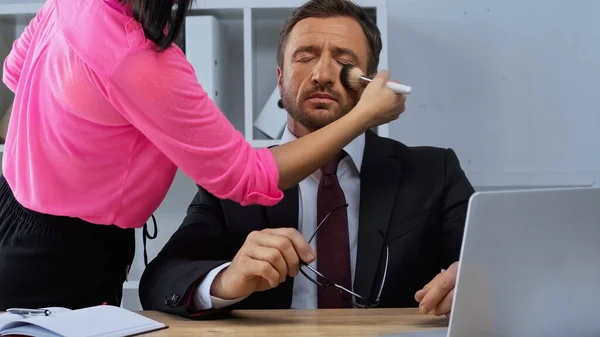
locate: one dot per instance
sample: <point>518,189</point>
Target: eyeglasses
<point>346,294</point>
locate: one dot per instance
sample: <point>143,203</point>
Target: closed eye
<point>304,59</point>
<point>345,63</point>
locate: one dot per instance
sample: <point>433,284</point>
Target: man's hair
<point>329,9</point>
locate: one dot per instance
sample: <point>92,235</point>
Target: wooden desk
<point>350,323</point>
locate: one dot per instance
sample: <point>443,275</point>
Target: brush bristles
<point>350,77</point>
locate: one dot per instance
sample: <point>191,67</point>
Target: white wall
<point>511,85</point>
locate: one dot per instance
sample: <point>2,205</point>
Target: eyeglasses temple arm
<point>387,256</point>
<point>323,221</point>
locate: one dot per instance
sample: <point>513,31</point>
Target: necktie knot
<point>331,166</point>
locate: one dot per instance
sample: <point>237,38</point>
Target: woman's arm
<point>159,94</point>
<point>298,159</point>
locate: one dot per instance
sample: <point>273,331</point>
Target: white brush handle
<point>399,88</point>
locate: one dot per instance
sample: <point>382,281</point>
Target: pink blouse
<point>101,121</point>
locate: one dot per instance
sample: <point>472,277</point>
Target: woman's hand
<point>378,104</point>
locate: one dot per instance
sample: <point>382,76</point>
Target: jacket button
<point>172,300</point>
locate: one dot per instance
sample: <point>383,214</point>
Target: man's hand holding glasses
<point>264,261</point>
<point>269,256</point>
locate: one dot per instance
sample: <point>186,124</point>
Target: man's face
<point>309,82</point>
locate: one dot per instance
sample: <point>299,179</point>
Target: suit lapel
<point>380,175</point>
<point>284,214</point>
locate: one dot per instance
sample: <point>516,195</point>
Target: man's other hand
<point>437,296</point>
<point>264,261</point>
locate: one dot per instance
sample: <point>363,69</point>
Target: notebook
<point>98,321</point>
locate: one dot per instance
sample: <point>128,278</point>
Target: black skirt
<point>48,260</point>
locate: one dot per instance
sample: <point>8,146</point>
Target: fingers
<point>445,306</point>
<point>401,102</point>
<point>262,245</point>
<point>402,98</point>
<point>419,295</point>
<point>300,245</point>
<point>272,256</point>
<point>430,285</point>
<point>264,270</point>
<point>264,261</point>
<point>382,77</point>
<point>441,287</point>
<point>436,296</point>
<point>290,247</point>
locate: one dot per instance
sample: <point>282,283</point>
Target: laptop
<point>529,266</point>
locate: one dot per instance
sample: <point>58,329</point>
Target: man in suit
<point>406,206</point>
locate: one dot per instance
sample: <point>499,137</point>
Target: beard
<point>315,116</point>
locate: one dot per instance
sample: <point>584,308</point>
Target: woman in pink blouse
<point>106,109</point>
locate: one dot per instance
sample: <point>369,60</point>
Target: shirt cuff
<point>265,195</point>
<point>203,300</point>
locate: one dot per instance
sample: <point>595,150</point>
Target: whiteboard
<point>512,86</point>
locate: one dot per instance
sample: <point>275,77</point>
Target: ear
<point>279,77</point>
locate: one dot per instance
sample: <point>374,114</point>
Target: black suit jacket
<point>417,195</point>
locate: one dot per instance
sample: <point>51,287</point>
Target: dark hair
<point>162,24</point>
<point>334,8</point>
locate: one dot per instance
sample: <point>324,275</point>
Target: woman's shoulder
<point>101,36</point>
<point>146,64</point>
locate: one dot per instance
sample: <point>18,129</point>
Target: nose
<point>324,73</point>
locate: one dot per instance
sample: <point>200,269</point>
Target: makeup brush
<point>353,78</point>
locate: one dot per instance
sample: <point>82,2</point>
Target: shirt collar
<point>355,149</point>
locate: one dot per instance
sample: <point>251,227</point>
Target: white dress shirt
<point>304,291</point>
